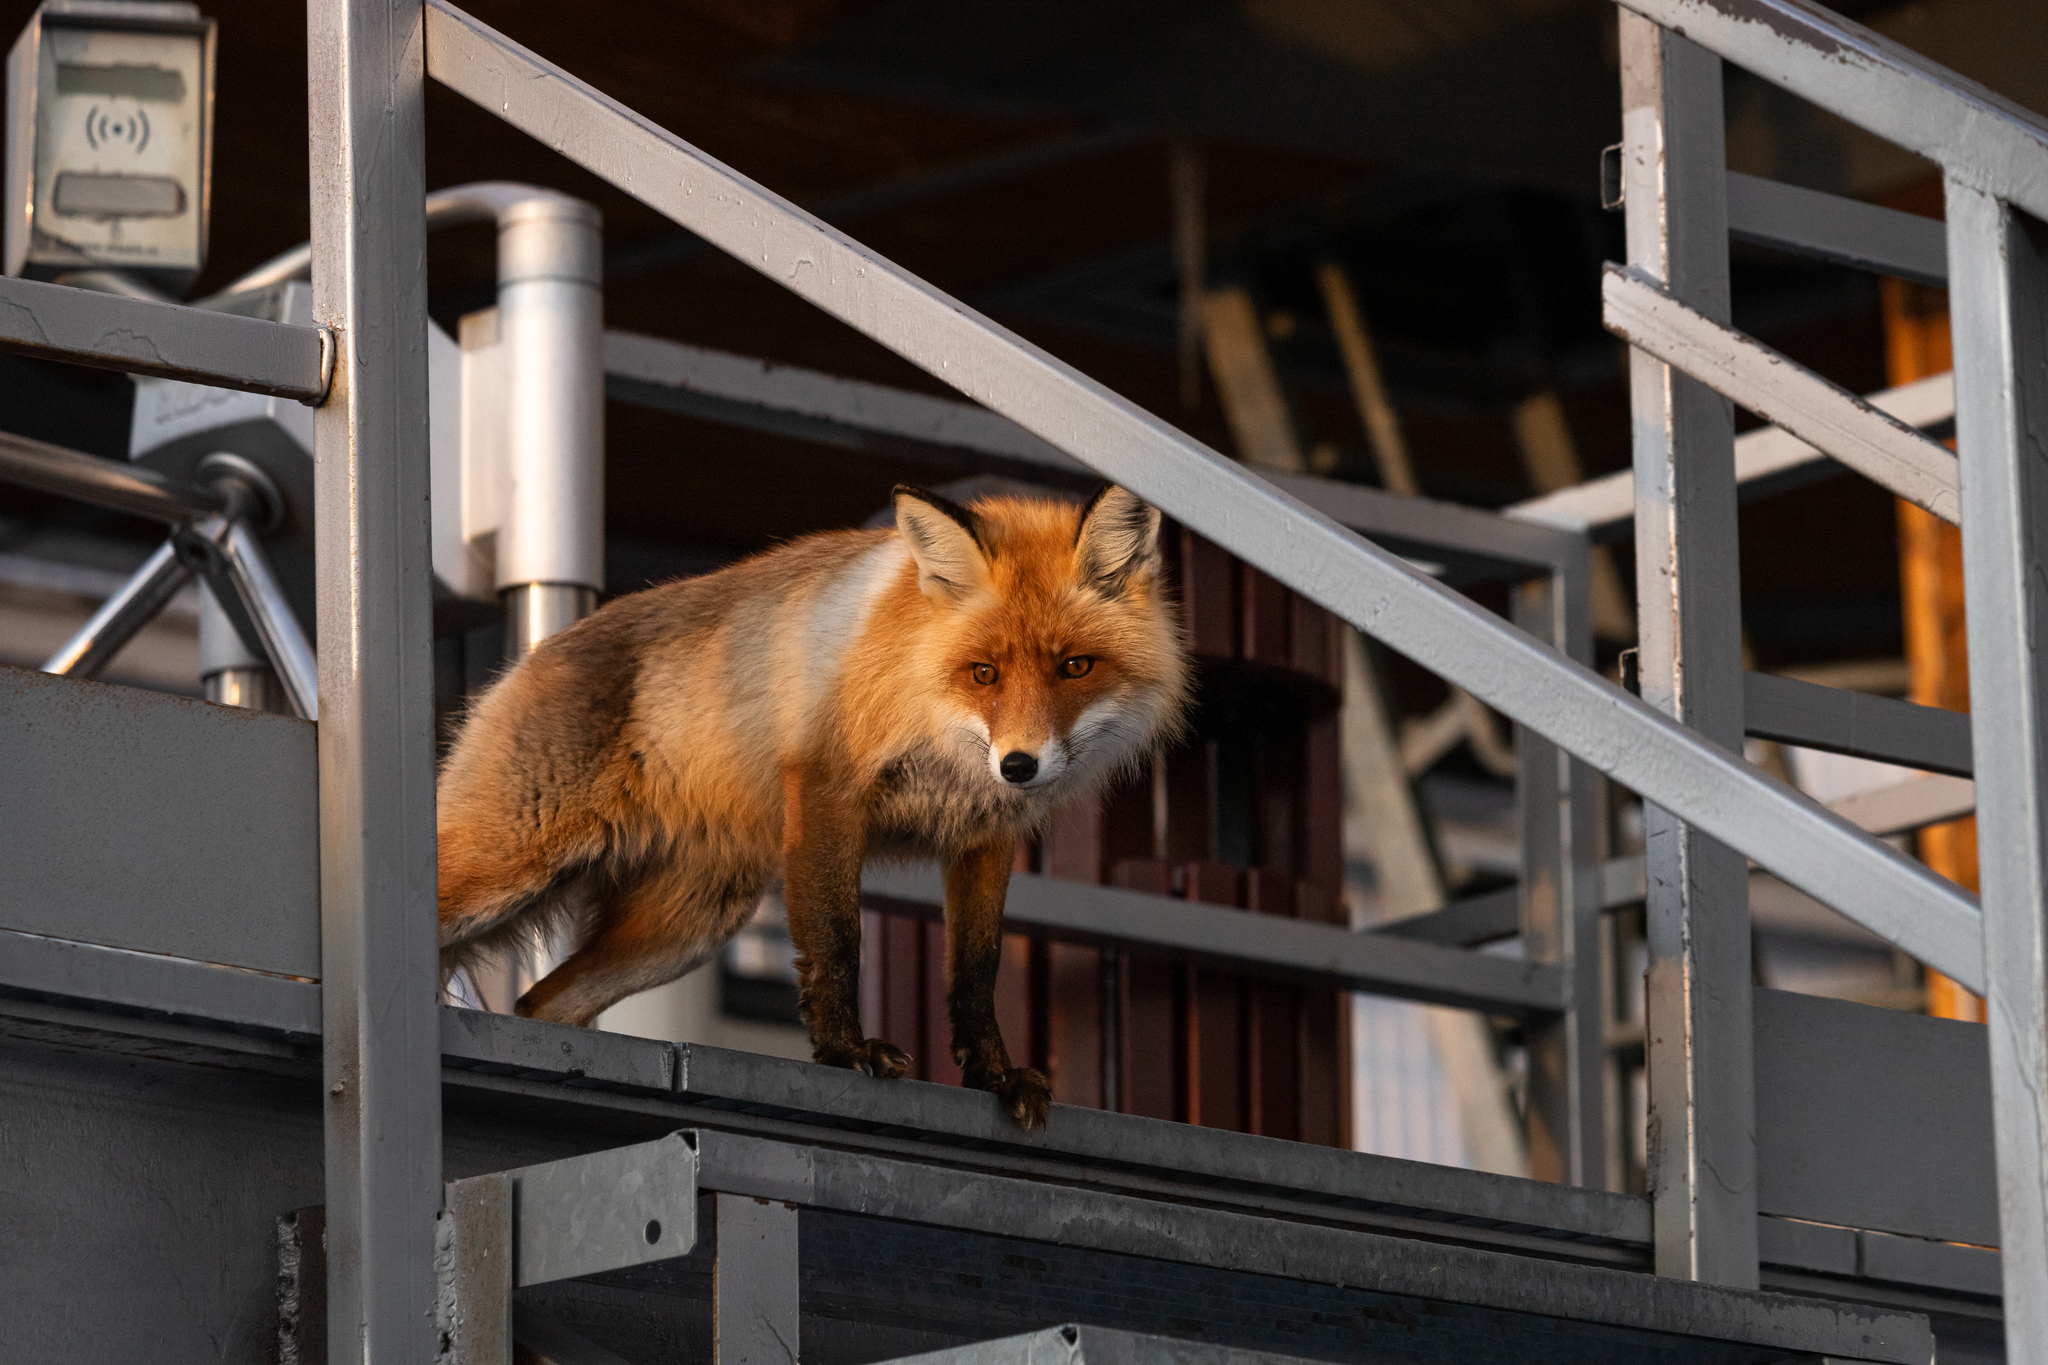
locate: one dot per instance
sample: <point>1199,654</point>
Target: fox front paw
<point>1024,1095</point>
<point>875,1056</point>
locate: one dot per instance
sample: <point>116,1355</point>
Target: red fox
<point>935,689</point>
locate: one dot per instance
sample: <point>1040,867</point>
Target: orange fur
<point>644,775</point>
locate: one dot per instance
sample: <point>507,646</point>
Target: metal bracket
<point>582,1215</point>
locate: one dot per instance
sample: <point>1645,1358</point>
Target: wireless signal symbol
<point>118,127</point>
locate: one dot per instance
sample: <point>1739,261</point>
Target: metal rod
<point>1998,294</point>
<point>1264,946</point>
<point>145,593</point>
<point>380,1063</point>
<point>1558,808</point>
<point>1702,1101</point>
<point>264,600</point>
<point>1834,228</point>
<point>112,484</point>
<point>1256,519</point>
<point>534,611</point>
<point>1984,139</point>
<point>1765,459</point>
<point>170,341</point>
<point>1868,440</point>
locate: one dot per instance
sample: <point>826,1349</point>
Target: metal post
<point>755,1282</point>
<point>1559,805</point>
<point>550,549</point>
<point>1998,301</point>
<point>232,673</point>
<point>1702,1105</point>
<point>381,1055</point>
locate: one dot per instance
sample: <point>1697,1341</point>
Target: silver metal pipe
<point>271,613</point>
<point>551,325</point>
<point>551,329</point>
<point>534,611</point>
<point>113,484</point>
<point>123,614</point>
<point>253,689</point>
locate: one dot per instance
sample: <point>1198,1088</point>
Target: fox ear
<point>1118,539</point>
<point>945,540</point>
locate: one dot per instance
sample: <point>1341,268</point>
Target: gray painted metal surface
<point>1701,1150</point>
<point>1467,923</point>
<point>1998,301</point>
<point>719,386</point>
<point>505,1045</point>
<point>584,1215</point>
<point>1872,1118</point>
<point>1739,367</point>
<point>1890,894</point>
<point>170,341</point>
<point>1767,459</point>
<point>882,1188</point>
<point>755,1285</point>
<point>158,823</point>
<point>791,400</point>
<point>1833,228</point>
<point>1558,808</point>
<point>1843,722</point>
<point>154,983</point>
<point>1293,950</point>
<point>1983,139</point>
<point>474,1271</point>
<point>380,1066</point>
<point>1079,1344</point>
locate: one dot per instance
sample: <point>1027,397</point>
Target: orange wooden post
<point>1931,591</point>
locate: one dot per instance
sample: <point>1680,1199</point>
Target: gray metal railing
<point>369,59</point>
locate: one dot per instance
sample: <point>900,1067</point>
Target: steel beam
<point>1299,951</point>
<point>1982,139</point>
<point>1856,723</point>
<point>1998,300</point>
<point>1219,499</point>
<point>1766,460</point>
<point>379,964</point>
<point>1833,228</point>
<point>1033,1210</point>
<point>1702,1150</point>
<point>790,400</point>
<point>1467,923</point>
<point>755,1282</point>
<point>170,341</point>
<point>1558,812</point>
<point>1868,440</point>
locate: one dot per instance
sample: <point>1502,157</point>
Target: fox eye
<point>1077,667</point>
<point>985,674</point>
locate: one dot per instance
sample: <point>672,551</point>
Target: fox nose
<point>1019,767</point>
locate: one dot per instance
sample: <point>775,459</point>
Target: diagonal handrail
<point>1896,898</point>
<point>1739,367</point>
<point>1979,137</point>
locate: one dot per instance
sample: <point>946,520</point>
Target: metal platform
<point>144,1148</point>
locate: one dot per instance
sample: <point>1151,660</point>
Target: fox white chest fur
<point>937,689</point>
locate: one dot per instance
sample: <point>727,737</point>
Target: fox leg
<point>977,882</point>
<point>647,933</point>
<point>823,846</point>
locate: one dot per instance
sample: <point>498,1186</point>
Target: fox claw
<point>874,1056</point>
<point>1024,1096</point>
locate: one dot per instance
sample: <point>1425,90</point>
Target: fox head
<point>1057,652</point>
